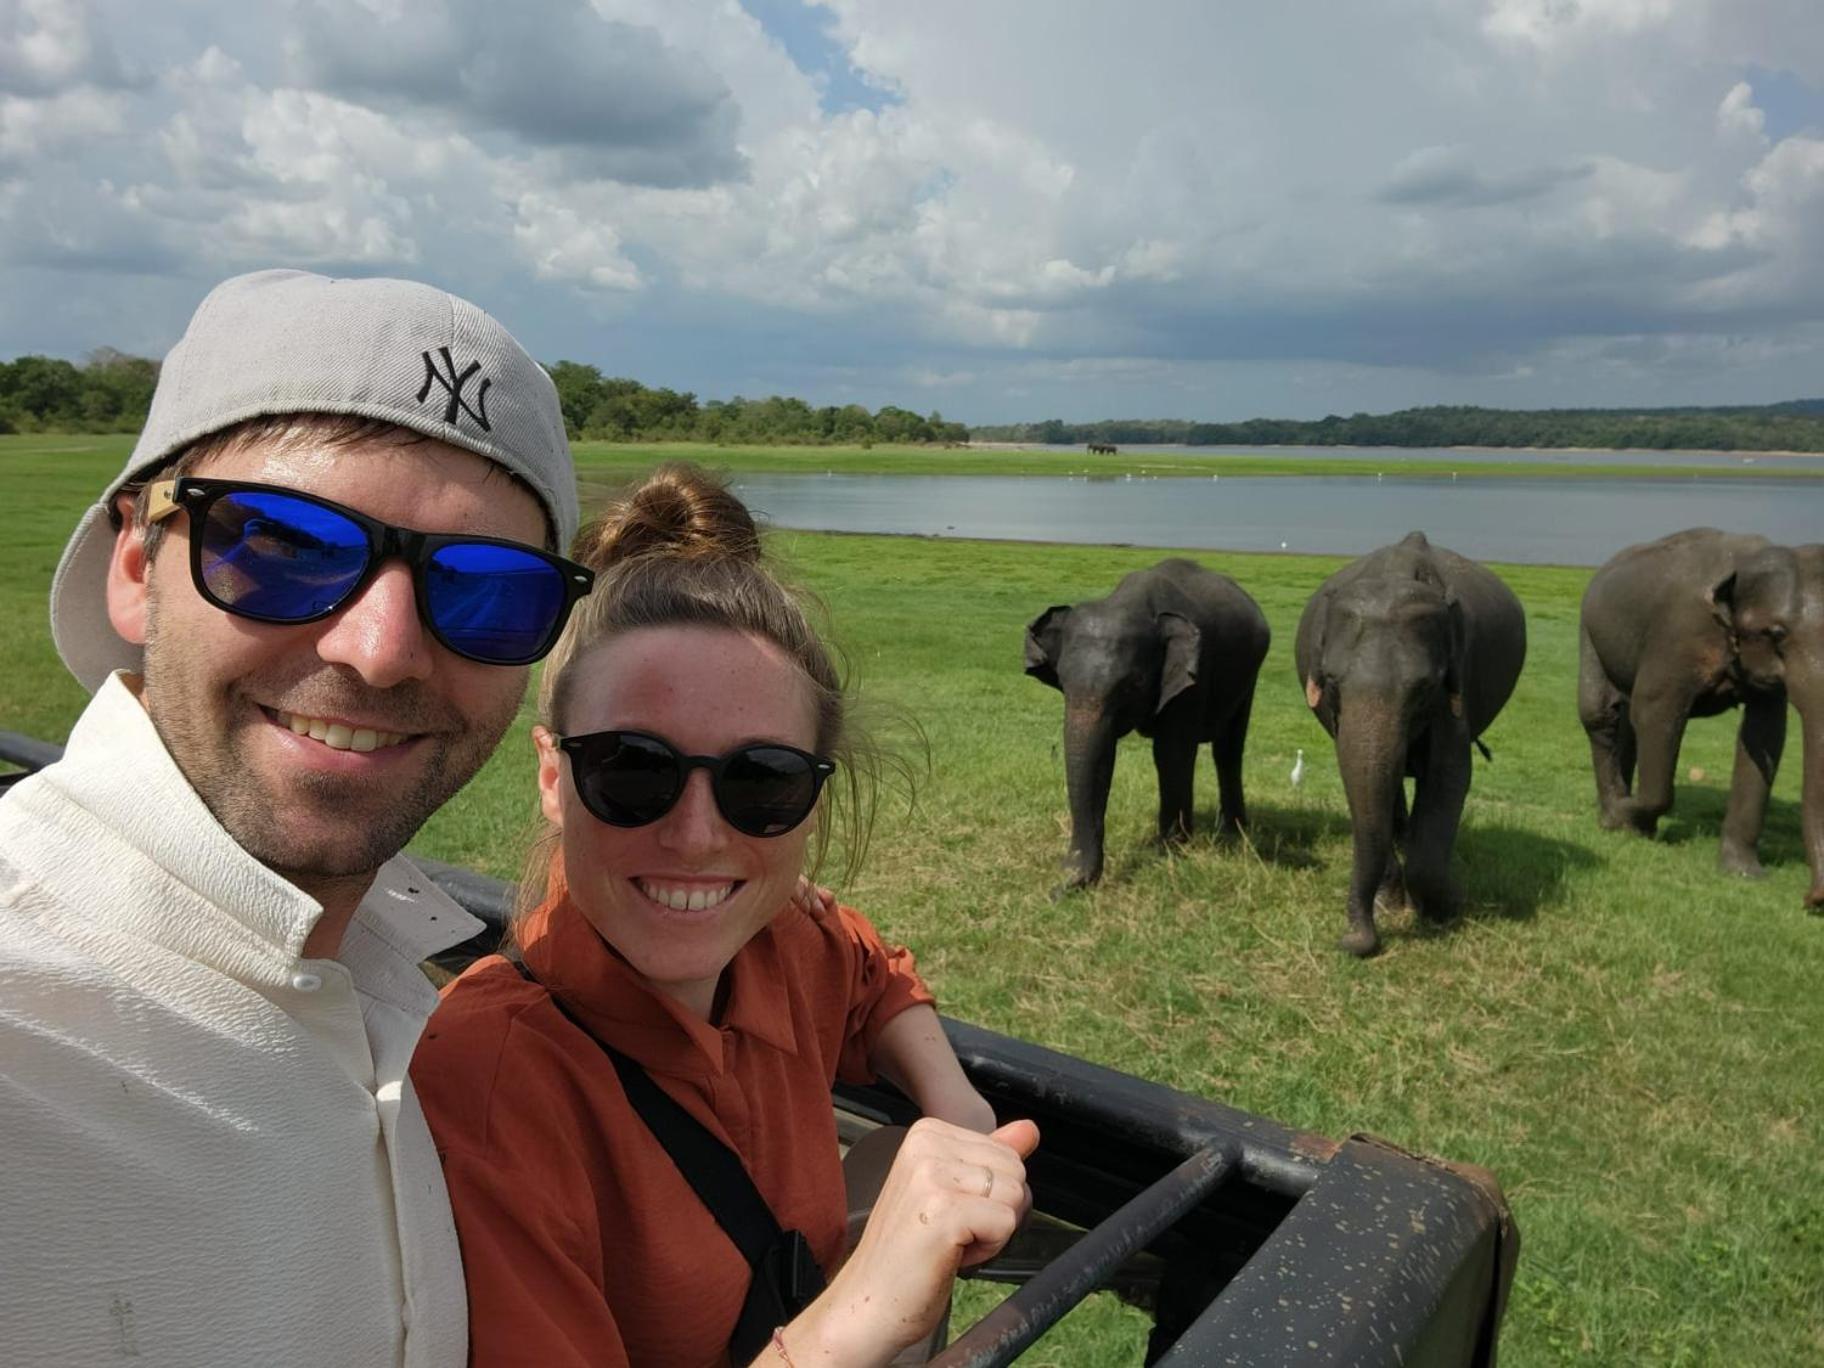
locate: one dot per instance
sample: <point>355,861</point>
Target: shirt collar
<point>577,966</point>
<point>217,903</point>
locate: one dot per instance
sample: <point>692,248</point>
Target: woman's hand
<point>952,1199</point>
<point>809,898</point>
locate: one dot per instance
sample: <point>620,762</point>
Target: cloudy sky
<point>1000,209</point>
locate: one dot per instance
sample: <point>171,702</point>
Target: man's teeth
<point>684,899</point>
<point>339,735</point>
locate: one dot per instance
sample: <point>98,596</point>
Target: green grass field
<point>602,464</point>
<point>1632,1042</point>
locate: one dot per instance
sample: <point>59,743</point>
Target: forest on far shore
<point>1797,425</point>
<point>110,391</point>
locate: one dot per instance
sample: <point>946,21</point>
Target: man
<point>209,947</point>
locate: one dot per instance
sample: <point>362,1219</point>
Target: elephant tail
<point>1482,746</point>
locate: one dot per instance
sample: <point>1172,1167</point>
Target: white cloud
<point>1434,187</point>
<point>614,97</point>
<point>561,245</point>
<point>31,128</point>
<point>1737,112</point>
<point>48,46</point>
<point>1549,23</point>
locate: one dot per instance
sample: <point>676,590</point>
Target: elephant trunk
<point>1371,752</point>
<point>1089,769</point>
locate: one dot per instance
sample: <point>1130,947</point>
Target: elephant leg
<point>1659,710</point>
<point>1391,896</point>
<point>1437,810</point>
<point>1603,710</point>
<point>1226,751</point>
<point>1176,760</point>
<point>1757,759</point>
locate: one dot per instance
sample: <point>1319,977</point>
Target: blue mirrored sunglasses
<point>275,555</point>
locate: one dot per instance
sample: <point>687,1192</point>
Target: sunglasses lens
<point>278,557</point>
<point>493,603</point>
<point>627,779</point>
<point>766,790</point>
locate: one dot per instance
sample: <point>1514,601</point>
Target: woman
<point>689,719</point>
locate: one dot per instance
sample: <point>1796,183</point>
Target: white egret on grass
<point>1298,768</point>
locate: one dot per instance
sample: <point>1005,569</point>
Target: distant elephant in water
<point>1690,626</point>
<point>1407,655</point>
<point>1173,653</point>
<point>1101,449</point>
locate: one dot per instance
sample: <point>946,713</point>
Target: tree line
<point>620,410</point>
<point>111,390</point>
<point>1794,426</point>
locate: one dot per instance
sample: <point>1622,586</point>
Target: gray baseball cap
<point>279,342</point>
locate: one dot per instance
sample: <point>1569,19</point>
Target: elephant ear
<point>1044,638</point>
<point>1183,642</point>
<point>1312,629</point>
<point>1722,603</point>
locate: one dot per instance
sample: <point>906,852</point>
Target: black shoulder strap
<point>714,1171</point>
<point>785,1276</point>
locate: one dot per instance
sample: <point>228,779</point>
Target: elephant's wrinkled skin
<point>1690,626</point>
<point>1406,656</point>
<point>1173,653</point>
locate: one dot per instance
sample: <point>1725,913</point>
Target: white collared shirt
<point>210,1152</point>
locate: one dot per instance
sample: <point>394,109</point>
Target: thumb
<point>1022,1137</point>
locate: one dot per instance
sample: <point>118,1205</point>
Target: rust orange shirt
<point>581,1241</point>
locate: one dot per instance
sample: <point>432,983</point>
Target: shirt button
<point>306,982</point>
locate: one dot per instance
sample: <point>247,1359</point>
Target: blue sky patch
<point>1790,105</point>
<point>806,32</point>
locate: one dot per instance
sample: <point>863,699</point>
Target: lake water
<point>1529,521</point>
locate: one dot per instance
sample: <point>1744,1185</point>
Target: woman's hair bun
<point>680,510</point>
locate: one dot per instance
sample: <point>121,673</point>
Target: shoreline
<point>1184,448</point>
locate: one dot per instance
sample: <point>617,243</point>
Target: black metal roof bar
<point>1000,1337</point>
<point>1136,1111</point>
<point>1387,1261</point>
<point>28,752</point>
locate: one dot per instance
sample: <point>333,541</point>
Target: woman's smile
<point>687,895</point>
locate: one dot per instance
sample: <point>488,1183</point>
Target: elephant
<point>1689,626</point>
<point>1407,655</point>
<point>1174,654</point>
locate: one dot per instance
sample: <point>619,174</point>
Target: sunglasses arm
<point>159,503</point>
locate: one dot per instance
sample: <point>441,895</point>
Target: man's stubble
<point>353,828</point>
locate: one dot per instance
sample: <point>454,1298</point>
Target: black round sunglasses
<point>631,779</point>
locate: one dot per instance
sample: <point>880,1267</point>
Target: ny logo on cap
<point>452,384</point>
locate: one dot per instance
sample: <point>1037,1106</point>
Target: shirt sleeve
<point>884,983</point>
